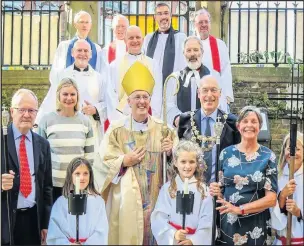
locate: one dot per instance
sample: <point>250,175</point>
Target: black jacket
<point>230,135</point>
<point>43,183</point>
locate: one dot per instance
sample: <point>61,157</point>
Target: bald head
<point>209,79</point>
<point>134,40</point>
<point>209,94</point>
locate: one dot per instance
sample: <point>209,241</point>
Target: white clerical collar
<point>136,55</point>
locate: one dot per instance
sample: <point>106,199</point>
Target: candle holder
<point>184,204</point>
<point>77,206</point>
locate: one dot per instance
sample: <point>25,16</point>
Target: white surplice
<point>224,77</point>
<point>278,219</point>
<point>93,226</point>
<point>92,88</point>
<point>60,56</point>
<point>165,212</point>
<point>172,108</point>
<point>118,69</point>
<point>103,55</point>
<point>179,60</point>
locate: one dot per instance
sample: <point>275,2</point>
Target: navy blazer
<point>230,135</point>
<point>43,182</point>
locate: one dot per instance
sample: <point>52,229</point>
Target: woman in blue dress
<point>247,187</point>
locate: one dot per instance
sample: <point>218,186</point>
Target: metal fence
<point>141,13</point>
<point>30,33</point>
<point>266,32</point>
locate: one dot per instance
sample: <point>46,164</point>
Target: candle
<point>77,185</point>
<point>186,190</point>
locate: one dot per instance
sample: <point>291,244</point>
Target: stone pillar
<point>92,8</point>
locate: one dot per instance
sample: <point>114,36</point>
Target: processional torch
<point>77,204</point>
<point>5,121</point>
<point>218,128</point>
<point>292,142</point>
<point>165,129</point>
<point>184,202</point>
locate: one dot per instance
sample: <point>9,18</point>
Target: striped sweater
<point>69,137</point>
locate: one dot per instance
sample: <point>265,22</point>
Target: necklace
<point>196,137</point>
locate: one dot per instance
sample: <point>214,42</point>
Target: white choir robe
<point>172,109</point>
<point>278,219</point>
<point>165,212</point>
<point>103,55</point>
<point>93,226</point>
<point>116,72</point>
<point>225,77</point>
<point>92,88</point>
<point>60,56</point>
<point>180,61</point>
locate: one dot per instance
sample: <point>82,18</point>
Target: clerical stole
<point>215,54</point>
<point>132,200</point>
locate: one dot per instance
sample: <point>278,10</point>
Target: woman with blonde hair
<point>166,223</point>
<point>68,131</point>
<point>286,188</point>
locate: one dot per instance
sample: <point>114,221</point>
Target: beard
<point>194,64</point>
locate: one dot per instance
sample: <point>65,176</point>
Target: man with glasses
<point>131,168</point>
<point>186,98</point>
<point>63,57</point>
<point>30,175</point>
<point>215,57</point>
<point>165,45</point>
<point>118,68</point>
<point>199,124</point>
<point>117,48</point>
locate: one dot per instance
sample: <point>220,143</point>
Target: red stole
<point>215,54</point>
<point>111,53</point>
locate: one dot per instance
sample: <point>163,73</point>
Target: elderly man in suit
<point>196,125</point>
<point>30,175</point>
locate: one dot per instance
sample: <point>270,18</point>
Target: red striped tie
<point>25,175</point>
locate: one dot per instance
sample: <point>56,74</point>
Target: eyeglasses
<point>203,22</point>
<point>29,110</point>
<point>163,13</point>
<point>214,90</point>
<point>83,22</point>
<point>145,98</point>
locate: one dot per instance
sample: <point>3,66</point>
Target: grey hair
<point>197,39</point>
<point>205,78</point>
<point>81,13</point>
<point>82,41</point>
<point>202,11</point>
<point>162,4</point>
<point>248,109</point>
<point>22,92</point>
<point>116,18</point>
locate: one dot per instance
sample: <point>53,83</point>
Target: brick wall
<point>249,83</point>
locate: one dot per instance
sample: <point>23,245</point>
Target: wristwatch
<point>242,210</point>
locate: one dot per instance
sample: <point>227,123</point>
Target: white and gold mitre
<point>138,78</point>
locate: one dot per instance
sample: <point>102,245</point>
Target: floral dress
<point>245,179</point>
